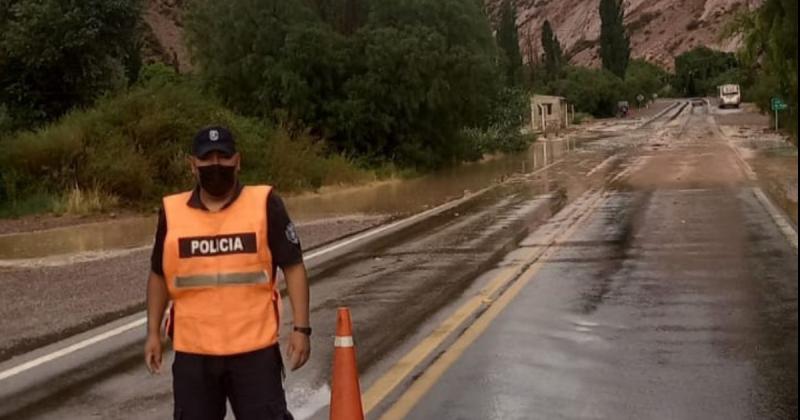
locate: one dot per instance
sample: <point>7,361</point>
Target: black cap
<point>213,139</point>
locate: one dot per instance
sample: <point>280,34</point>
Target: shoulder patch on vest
<point>291,234</point>
<point>209,246</point>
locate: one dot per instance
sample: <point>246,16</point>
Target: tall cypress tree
<point>508,41</point>
<point>553,54</point>
<point>615,44</point>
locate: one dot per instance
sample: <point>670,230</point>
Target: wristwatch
<point>304,330</point>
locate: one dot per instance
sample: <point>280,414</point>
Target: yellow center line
<point>406,365</point>
<point>429,378</point>
<point>400,370</point>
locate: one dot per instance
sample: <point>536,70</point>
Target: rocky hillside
<point>164,41</point>
<point>660,29</point>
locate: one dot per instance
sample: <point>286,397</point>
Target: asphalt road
<point>671,294</point>
<point>675,298</point>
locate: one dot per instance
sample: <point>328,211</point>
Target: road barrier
<point>345,390</point>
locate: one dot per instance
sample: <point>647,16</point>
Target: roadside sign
<point>778,104</point>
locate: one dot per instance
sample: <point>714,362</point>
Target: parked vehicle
<point>622,109</point>
<point>730,96</point>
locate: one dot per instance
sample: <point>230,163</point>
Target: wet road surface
<point>674,304</point>
<point>675,298</point>
<point>392,287</point>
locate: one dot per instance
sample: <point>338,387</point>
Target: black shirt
<point>282,239</point>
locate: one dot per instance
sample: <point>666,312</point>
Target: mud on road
<point>680,213</point>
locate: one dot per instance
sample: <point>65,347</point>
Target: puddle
<point>395,198</point>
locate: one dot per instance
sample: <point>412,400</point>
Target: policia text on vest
<point>215,258</point>
<point>240,243</point>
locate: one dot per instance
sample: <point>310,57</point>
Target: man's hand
<point>297,285</point>
<point>152,353</point>
<point>299,350</point>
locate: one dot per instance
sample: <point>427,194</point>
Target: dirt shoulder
<point>769,154</point>
<point>51,221</point>
<point>40,305</point>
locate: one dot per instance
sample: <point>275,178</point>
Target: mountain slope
<point>660,29</point>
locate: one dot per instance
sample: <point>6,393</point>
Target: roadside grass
<point>582,117</point>
<point>32,204</point>
<point>78,201</point>
<point>131,149</point>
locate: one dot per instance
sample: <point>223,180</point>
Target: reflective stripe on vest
<point>221,279</point>
<point>217,266</point>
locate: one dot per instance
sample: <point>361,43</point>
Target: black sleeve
<point>157,257</point>
<point>282,236</point>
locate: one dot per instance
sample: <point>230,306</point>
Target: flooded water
<point>397,198</point>
<point>410,196</point>
<point>773,160</point>
<point>125,233</point>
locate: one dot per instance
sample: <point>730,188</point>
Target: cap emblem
<point>213,135</point>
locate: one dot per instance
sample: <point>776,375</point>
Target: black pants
<point>253,382</point>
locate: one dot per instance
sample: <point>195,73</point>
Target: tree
<point>769,55</point>
<point>508,41</point>
<point>615,44</point>
<point>266,58</point>
<point>595,91</point>
<point>553,54</point>
<point>400,87</point>
<point>56,55</point>
<point>699,71</point>
<point>422,70</point>
<point>644,78</point>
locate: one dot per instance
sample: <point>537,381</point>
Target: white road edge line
<point>777,217</point>
<point>71,349</point>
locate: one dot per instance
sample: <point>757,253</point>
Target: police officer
<point>215,256</point>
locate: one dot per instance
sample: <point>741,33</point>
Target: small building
<point>549,114</point>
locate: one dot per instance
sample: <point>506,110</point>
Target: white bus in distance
<point>730,95</point>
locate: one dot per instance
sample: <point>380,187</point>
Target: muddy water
<point>127,233</point>
<point>773,160</point>
<point>409,196</point>
<point>396,198</point>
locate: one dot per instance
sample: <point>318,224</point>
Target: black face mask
<point>217,180</point>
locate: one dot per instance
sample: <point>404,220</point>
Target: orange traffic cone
<point>345,391</point>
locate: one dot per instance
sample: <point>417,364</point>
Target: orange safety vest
<point>218,270</point>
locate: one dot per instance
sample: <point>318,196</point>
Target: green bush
<point>36,203</point>
<point>159,74</point>
<point>592,91</point>
<point>502,130</point>
<point>295,164</point>
<point>133,147</point>
<point>55,55</point>
<point>644,78</point>
<point>581,117</point>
